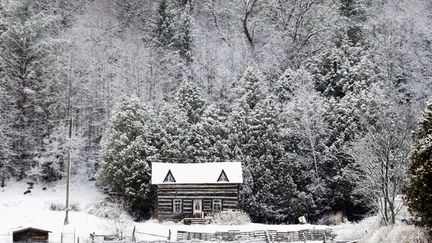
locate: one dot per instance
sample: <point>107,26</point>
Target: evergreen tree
<point>262,153</point>
<point>354,13</point>
<point>27,57</point>
<point>289,82</point>
<point>189,101</point>
<point>209,137</point>
<point>126,155</point>
<point>172,29</point>
<point>7,169</point>
<point>344,69</point>
<point>419,189</point>
<point>172,134</point>
<point>346,118</point>
<point>251,88</point>
<point>304,134</point>
<point>164,32</point>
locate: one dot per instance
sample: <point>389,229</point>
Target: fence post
<point>61,237</point>
<point>169,234</point>
<point>304,237</point>
<point>133,234</point>
<point>267,238</point>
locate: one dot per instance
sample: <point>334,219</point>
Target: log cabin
<point>195,190</point>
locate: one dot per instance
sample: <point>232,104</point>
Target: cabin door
<point>197,207</point>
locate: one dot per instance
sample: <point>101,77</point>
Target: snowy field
<point>33,210</point>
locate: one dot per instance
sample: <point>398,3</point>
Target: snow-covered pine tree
<point>263,151</point>
<point>347,76</point>
<point>6,154</point>
<point>288,83</point>
<point>172,134</point>
<point>6,115</point>
<point>170,53</point>
<point>28,52</point>
<point>208,141</point>
<point>346,118</point>
<point>126,155</point>
<point>304,134</point>
<point>251,86</point>
<point>353,12</point>
<point>245,96</point>
<point>163,30</point>
<point>172,28</point>
<point>189,101</point>
<point>419,189</point>
<point>344,68</point>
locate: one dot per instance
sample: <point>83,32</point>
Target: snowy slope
<point>18,210</point>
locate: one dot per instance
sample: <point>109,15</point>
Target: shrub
<point>332,219</point>
<point>231,217</point>
<point>56,206</point>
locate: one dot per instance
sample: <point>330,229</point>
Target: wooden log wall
<point>228,193</point>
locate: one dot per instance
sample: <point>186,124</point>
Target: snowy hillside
<point>33,210</point>
<point>325,104</point>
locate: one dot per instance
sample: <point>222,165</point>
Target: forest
<point>319,99</point>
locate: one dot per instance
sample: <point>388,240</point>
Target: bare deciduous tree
<point>382,156</point>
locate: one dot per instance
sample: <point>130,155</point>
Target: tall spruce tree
<point>189,101</point>
<point>209,137</point>
<point>27,59</point>
<point>172,134</point>
<point>419,190</point>
<point>126,155</point>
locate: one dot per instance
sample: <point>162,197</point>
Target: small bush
<point>105,208</point>
<point>231,217</point>
<point>56,206</point>
<point>332,219</point>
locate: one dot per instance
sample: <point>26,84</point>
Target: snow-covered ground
<point>33,210</point>
<point>370,231</point>
<point>97,216</point>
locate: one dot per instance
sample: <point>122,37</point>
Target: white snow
<point>32,210</point>
<point>197,173</point>
<point>369,230</point>
<point>101,217</point>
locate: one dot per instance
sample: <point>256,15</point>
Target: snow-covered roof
<point>197,173</point>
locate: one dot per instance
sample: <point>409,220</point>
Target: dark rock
<point>27,192</point>
<point>44,188</point>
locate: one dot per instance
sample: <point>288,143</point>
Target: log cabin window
<point>217,205</point>
<point>177,206</point>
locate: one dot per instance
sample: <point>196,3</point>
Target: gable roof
<point>197,173</point>
<point>169,177</point>
<point>222,176</point>
<point>31,229</point>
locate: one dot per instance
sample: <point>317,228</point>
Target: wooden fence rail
<point>268,236</point>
